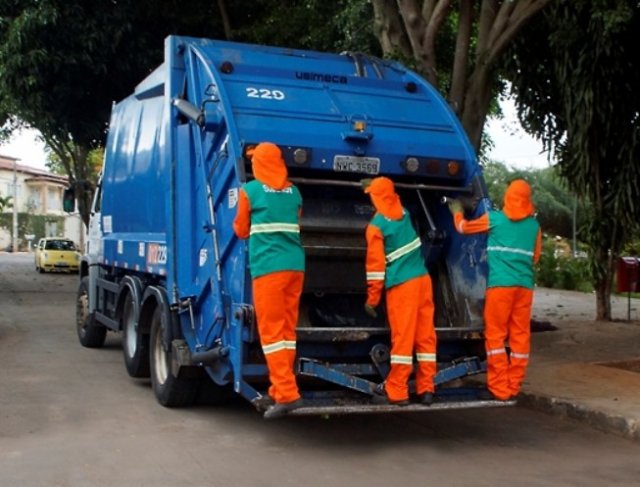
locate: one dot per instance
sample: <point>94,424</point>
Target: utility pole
<point>575,212</point>
<point>14,243</point>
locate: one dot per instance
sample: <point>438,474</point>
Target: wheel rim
<point>161,368</point>
<point>82,313</point>
<point>131,342</point>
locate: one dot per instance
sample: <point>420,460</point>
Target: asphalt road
<point>71,416</point>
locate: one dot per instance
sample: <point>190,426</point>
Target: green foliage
<point>576,82</point>
<point>94,164</point>
<point>562,272</point>
<point>29,224</point>
<point>553,201</point>
<point>310,24</point>
<point>546,269</point>
<point>5,203</point>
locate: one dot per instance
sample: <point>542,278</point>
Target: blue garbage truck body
<point>164,267</point>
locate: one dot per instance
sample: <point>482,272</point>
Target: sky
<point>27,148</point>
<point>512,145</point>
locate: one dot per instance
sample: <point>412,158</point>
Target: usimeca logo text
<point>326,77</point>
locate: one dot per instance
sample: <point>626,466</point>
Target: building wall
<point>39,193</point>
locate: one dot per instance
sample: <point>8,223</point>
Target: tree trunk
<point>461,58</point>
<point>476,104</point>
<point>84,189</point>
<point>226,23</point>
<point>74,161</point>
<point>388,28</point>
<point>603,291</point>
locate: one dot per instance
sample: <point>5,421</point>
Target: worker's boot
<point>487,395</point>
<point>426,398</point>
<point>280,409</point>
<point>380,397</point>
<point>262,403</point>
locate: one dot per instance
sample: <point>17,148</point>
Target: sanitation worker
<point>268,214</point>
<point>514,245</point>
<point>394,261</point>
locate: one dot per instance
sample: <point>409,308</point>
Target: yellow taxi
<point>57,254</point>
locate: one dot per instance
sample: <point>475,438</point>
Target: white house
<point>39,192</point>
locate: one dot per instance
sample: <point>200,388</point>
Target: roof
<point>36,174</point>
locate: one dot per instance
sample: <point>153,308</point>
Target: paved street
<point>71,416</point>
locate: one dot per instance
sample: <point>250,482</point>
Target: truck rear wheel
<point>170,391</point>
<point>135,344</point>
<point>90,333</point>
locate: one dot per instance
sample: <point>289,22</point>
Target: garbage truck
<point>163,267</point>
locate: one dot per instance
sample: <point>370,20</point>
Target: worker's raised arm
<point>538,248</point>
<point>375,265</point>
<point>479,225</point>
<point>242,221</point>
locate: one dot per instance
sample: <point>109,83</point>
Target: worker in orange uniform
<point>514,245</point>
<point>268,214</point>
<point>395,262</point>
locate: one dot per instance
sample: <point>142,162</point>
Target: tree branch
<point>427,9</point>
<point>488,10</point>
<point>414,24</point>
<point>501,19</point>
<point>520,16</point>
<point>226,23</point>
<point>461,57</point>
<point>388,28</point>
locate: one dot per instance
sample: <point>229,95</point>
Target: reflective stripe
<point>496,351</point>
<point>510,249</point>
<point>375,276</point>
<point>460,225</point>
<point>520,355</point>
<point>426,357</point>
<point>274,227</point>
<point>290,344</point>
<point>274,347</point>
<point>404,250</point>
<point>402,359</point>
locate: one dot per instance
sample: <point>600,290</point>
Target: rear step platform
<point>328,409</point>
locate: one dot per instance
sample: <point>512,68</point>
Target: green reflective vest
<point>274,238</point>
<point>402,249</point>
<point>510,250</point>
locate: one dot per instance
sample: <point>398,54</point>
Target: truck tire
<point>170,391</point>
<point>135,344</point>
<point>90,333</point>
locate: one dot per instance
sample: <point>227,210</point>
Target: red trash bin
<point>627,274</point>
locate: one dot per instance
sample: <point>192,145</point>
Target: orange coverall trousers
<point>410,312</point>
<point>507,316</point>
<point>276,297</point>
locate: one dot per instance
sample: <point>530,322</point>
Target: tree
<point>481,31</point>
<point>62,64</point>
<point>553,201</point>
<point>5,202</point>
<point>576,80</point>
<point>339,25</point>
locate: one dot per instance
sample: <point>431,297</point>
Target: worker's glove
<point>370,310</point>
<point>365,183</point>
<point>455,207</point>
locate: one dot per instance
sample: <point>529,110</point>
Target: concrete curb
<point>607,422</point>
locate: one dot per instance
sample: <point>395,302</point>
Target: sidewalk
<point>585,369</point>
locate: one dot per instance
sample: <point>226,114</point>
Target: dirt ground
<point>71,417</point>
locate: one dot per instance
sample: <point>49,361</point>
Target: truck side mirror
<point>69,200</point>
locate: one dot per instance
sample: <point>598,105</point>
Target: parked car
<point>57,254</point>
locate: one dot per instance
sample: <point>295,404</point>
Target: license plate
<point>367,165</point>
